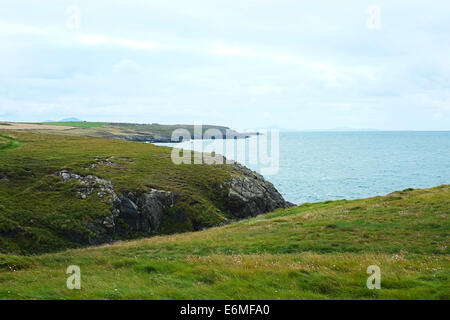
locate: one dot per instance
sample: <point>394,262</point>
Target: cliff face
<point>245,194</point>
<point>250,194</point>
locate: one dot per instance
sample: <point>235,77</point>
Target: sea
<point>319,166</point>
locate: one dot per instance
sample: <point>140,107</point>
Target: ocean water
<point>318,166</point>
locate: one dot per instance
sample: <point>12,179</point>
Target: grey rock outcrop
<point>145,138</point>
<point>104,229</point>
<point>107,162</point>
<point>90,184</point>
<point>142,212</point>
<point>250,194</point>
<point>246,194</point>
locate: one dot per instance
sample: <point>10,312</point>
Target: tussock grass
<point>314,251</point>
<point>7,143</point>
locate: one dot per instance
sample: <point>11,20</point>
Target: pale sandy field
<point>31,126</point>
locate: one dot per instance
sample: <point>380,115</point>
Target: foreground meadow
<point>314,251</point>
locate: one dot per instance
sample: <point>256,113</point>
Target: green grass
<point>3,143</point>
<point>80,124</point>
<point>8,143</point>
<point>125,130</point>
<point>314,251</point>
<point>39,213</point>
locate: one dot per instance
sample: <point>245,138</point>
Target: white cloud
<point>127,67</point>
<point>220,48</point>
<point>95,40</point>
<point>265,90</point>
<point>7,28</point>
<point>178,61</point>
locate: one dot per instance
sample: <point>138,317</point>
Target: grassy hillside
<point>127,131</point>
<point>314,251</point>
<point>40,213</point>
<point>3,143</point>
<point>7,143</point>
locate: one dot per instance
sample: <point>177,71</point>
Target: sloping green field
<point>127,131</point>
<point>315,251</point>
<point>40,213</point>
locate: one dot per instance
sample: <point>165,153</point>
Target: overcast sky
<point>241,63</point>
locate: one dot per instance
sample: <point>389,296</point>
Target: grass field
<point>7,143</point>
<point>127,131</point>
<point>39,213</point>
<point>315,251</point>
<point>3,143</point>
<point>81,124</point>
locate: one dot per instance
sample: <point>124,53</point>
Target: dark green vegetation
<point>7,143</point>
<point>40,213</point>
<point>4,142</point>
<point>314,251</point>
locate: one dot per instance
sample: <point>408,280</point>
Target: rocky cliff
<point>250,194</point>
<point>245,194</point>
<point>61,191</point>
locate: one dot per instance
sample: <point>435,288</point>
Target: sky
<point>296,65</point>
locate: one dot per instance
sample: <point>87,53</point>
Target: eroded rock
<point>250,194</point>
<point>142,212</point>
<point>247,194</point>
<point>90,184</point>
<point>98,161</point>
